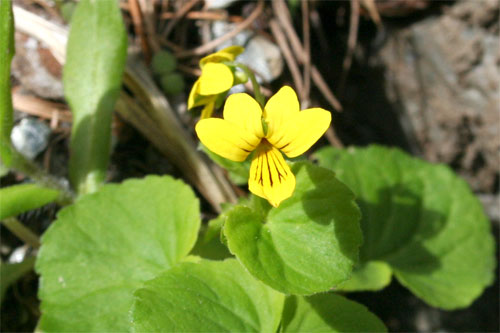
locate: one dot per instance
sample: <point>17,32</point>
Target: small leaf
<point>96,54</point>
<point>104,247</point>
<point>208,296</point>
<point>328,313</point>
<point>209,244</point>
<point>21,198</point>
<point>307,245</point>
<point>422,220</point>
<point>373,275</point>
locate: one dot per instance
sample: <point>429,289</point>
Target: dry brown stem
<point>289,58</point>
<point>214,43</point>
<point>351,44</point>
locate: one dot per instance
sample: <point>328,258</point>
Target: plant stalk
<point>256,87</point>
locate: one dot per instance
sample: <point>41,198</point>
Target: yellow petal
<point>208,110</point>
<point>280,107</point>
<point>195,99</point>
<point>302,130</point>
<point>270,175</point>
<point>224,139</point>
<point>215,79</point>
<point>228,54</point>
<point>244,112</point>
<point>195,90</point>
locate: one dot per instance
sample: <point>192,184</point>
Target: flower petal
<point>302,130</point>
<point>215,78</point>
<point>195,99</point>
<point>244,112</point>
<point>208,110</point>
<point>192,94</point>
<point>228,54</point>
<point>270,176</point>
<point>280,107</point>
<point>224,139</point>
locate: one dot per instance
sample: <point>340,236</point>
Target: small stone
<point>30,137</point>
<point>218,4</point>
<point>18,255</point>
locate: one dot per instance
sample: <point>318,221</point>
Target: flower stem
<point>256,87</point>
<point>39,176</point>
<point>23,233</point>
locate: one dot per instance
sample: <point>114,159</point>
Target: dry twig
<point>214,43</point>
<point>299,54</point>
<point>178,15</point>
<point>208,15</point>
<point>289,58</point>
<point>351,44</point>
<point>306,32</point>
<point>38,107</point>
<point>149,23</point>
<point>135,12</point>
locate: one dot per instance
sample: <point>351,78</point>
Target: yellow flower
<point>289,130</point>
<point>216,78</point>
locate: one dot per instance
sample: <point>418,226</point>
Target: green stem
<point>23,233</point>
<point>6,54</point>
<point>256,87</point>
<point>30,169</point>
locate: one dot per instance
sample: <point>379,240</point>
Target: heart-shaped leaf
<point>328,313</point>
<point>208,296</point>
<point>102,248</point>
<point>422,220</point>
<point>309,244</point>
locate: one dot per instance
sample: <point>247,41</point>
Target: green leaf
<point>422,220</point>
<point>328,313</point>
<point>10,273</point>
<point>209,245</point>
<point>102,248</point>
<point>96,54</point>
<point>372,275</point>
<point>6,54</point>
<point>307,245</point>
<point>208,296</point>
<point>18,199</point>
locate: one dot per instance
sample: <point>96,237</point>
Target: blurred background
<point>420,75</point>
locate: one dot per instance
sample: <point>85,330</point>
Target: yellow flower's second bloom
<point>216,78</point>
<point>289,130</point>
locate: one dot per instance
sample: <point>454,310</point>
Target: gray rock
<point>443,75</point>
<point>261,55</point>
<point>30,137</point>
<point>218,4</point>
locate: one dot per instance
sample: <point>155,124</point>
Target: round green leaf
<point>422,220</point>
<point>101,249</point>
<point>307,245</point>
<point>328,313</point>
<point>172,84</point>
<point>372,275</point>
<point>164,62</point>
<point>208,296</point>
